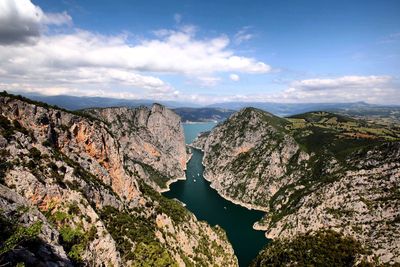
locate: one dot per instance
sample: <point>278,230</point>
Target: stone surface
<point>153,136</point>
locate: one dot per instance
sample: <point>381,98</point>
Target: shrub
<point>20,234</point>
<point>164,205</point>
<point>35,154</point>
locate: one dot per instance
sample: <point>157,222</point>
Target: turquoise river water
<point>207,205</point>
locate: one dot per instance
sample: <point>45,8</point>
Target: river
<point>207,205</point>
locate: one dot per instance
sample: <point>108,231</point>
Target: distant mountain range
<point>203,114</point>
<point>220,111</point>
<point>287,109</point>
<point>79,102</point>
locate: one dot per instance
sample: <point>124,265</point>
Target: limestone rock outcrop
<point>151,140</point>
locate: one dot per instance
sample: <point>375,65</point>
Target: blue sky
<point>204,51</point>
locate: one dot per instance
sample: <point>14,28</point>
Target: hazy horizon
<point>182,102</point>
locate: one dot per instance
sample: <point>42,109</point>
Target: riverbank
<point>188,157</point>
<point>163,190</point>
<point>208,205</point>
<point>199,122</point>
<point>256,225</point>
<point>234,201</point>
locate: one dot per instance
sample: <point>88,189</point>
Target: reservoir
<point>207,205</point>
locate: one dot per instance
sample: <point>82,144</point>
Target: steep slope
<point>230,151</point>
<point>312,171</point>
<point>151,140</point>
<point>324,248</point>
<point>67,198</point>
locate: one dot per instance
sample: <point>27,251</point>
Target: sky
<point>205,51</point>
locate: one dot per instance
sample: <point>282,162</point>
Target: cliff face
<point>362,202</point>
<point>69,196</point>
<point>230,151</point>
<point>311,172</point>
<point>151,140</point>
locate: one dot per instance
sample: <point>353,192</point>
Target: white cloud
<point>234,77</point>
<point>208,81</point>
<point>83,59</point>
<point>243,35</point>
<point>177,18</point>
<point>56,18</point>
<point>372,89</point>
<point>23,22</point>
<point>63,57</point>
<point>346,82</point>
<point>391,38</point>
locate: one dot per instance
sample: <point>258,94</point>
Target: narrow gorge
<point>100,187</point>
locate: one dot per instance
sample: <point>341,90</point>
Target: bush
<point>75,241</point>
<point>7,129</point>
<point>171,207</point>
<point>18,234</point>
<point>35,154</point>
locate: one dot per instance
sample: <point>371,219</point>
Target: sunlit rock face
<point>152,136</point>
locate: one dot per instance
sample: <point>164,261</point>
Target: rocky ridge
<point>347,182</point>
<point>67,196</point>
<point>151,139</point>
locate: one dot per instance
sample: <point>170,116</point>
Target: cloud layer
<point>82,57</point>
<point>371,89</point>
<point>374,89</point>
<point>23,22</point>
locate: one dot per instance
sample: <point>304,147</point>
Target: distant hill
<point>203,114</point>
<point>385,115</point>
<point>79,102</point>
<point>287,109</point>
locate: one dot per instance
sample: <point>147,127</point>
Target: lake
<point>207,205</point>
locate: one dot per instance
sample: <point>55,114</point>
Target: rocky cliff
<point>310,172</point>
<point>151,139</point>
<point>70,196</point>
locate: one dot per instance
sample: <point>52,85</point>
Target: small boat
<point>225,208</point>
<point>182,203</point>
<point>194,180</point>
<point>198,174</point>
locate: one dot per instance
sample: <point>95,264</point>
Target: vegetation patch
<point>75,241</point>
<point>322,248</point>
<point>170,207</point>
<point>135,238</point>
<point>154,175</point>
<point>12,233</point>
